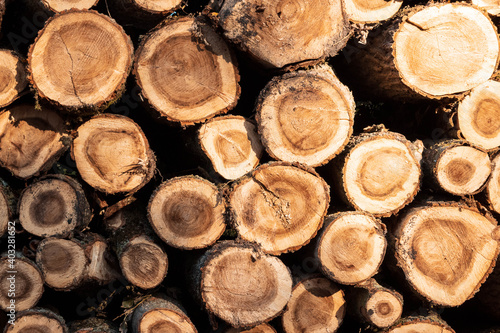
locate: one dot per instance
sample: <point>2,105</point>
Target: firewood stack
<point>249,166</point>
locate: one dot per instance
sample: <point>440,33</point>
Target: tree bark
<point>112,154</point>
<point>279,206</point>
<point>280,34</point>
<point>27,282</point>
<point>430,324</point>
<point>161,315</point>
<point>379,172</point>
<point>143,14</point>
<point>369,11</point>
<point>32,140</point>
<point>37,320</point>
<point>54,206</point>
<point>446,250</point>
<point>187,212</point>
<point>94,58</point>
<point>457,167</point>
<point>92,325</point>
<point>317,304</point>
<point>13,75</point>
<point>241,285</point>
<point>414,57</point>
<point>305,116</point>
<point>231,144</point>
<point>351,247</point>
<point>187,72</point>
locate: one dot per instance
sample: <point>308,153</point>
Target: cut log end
<point>13,77</point>
<point>187,72</point>
<point>370,11</point>
<point>32,140</point>
<point>351,247</point>
<point>112,154</point>
<point>143,263</point>
<point>80,60</point>
<point>62,5</point>
<point>157,6</point>
<point>281,207</point>
<point>478,116</point>
<point>420,324</point>
<point>381,173</point>
<point>306,116</point>
<point>493,186</point>
<point>425,44</point>
<point>28,283</point>
<point>382,308</point>
<point>262,328</point>
<point>280,33</point>
<point>232,145</point>
<point>491,6</point>
<point>446,251</point>
<point>187,213</point>
<point>319,294</point>
<point>244,287</point>
<point>37,321</point>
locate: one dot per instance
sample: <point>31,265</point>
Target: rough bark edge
<point>84,109</point>
<point>44,312</point>
<point>233,216</point>
<point>199,37</point>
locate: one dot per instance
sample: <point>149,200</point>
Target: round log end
<point>383,308</point>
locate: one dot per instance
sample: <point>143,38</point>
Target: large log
<point>37,320</point>
<point>80,61</point>
<point>305,116</point>
<point>279,206</point>
<point>186,71</point>
<point>282,33</point>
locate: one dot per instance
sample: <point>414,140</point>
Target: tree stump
<point>285,33</point>
<point>351,247</point>
<point>90,59</point>
<point>279,206</point>
<point>186,71</point>
<point>305,116</point>
<point>12,75</point>
<point>32,140</point>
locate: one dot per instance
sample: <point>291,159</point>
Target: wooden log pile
<point>249,166</point>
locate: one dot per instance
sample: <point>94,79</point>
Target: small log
<point>242,285</point>
<point>157,314</point>
<point>102,265</point>
<point>279,206</point>
<point>414,57</point>
<point>13,76</point>
<point>8,204</point>
<point>305,116</point>
<point>431,324</point>
<point>90,59</point>
<point>187,212</point>
<point>492,190</point>
<point>186,71</point>
<point>282,33</point>
<point>456,167</point>
<point>317,304</point>
<point>491,6</point>
<point>477,116</point>
<point>376,305</point>
<point>54,206</point>
<point>112,154</point>
<point>143,14</point>
<point>37,320</point>
<point>56,6</point>
<point>371,11</point>
<point>446,250</point>
<point>351,247</point>
<point>92,325</point>
<point>21,280</point>
<point>262,328</point>
<point>32,140</point>
<point>380,172</point>
<point>232,145</point>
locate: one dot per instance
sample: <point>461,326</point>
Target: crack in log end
<point>75,92</point>
<point>280,206</point>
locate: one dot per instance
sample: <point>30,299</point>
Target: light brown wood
<point>305,116</point>
<point>371,11</point>
<point>103,267</point>
<point>420,324</point>
<point>492,190</point>
<point>316,305</point>
<point>243,286</point>
<point>187,212</point>
<point>262,328</point>
<point>80,60</point>
<point>351,247</point>
<point>478,118</point>
<point>446,250</point>
<point>279,206</point>
<point>417,56</point>
<point>457,167</point>
<point>13,77</point>
<point>281,33</point>
<point>8,206</point>
<point>54,206</point>
<point>57,6</point>
<point>31,140</point>
<point>380,172</point>
<point>491,6</point>
<point>232,145</point>
<point>186,71</point>
<point>28,282</point>
<point>37,320</point>
<point>112,154</point>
